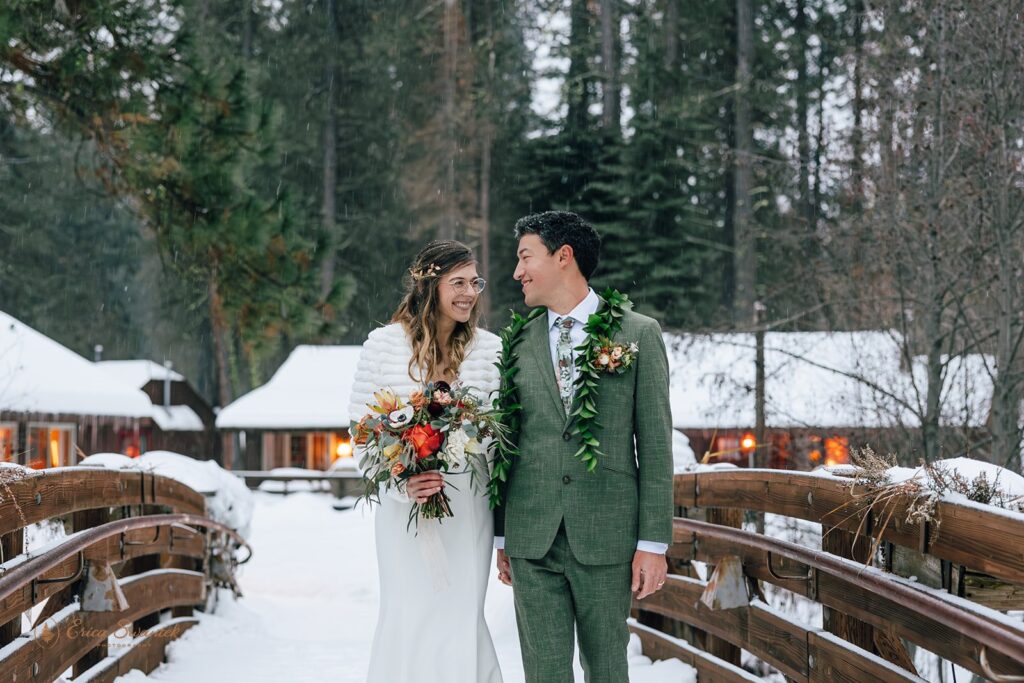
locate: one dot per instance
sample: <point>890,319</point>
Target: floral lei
<point>600,328</point>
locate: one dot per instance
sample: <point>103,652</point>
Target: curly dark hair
<point>557,228</point>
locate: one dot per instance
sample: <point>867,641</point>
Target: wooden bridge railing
<point>874,610</point>
<point>340,482</point>
<point>140,544</point>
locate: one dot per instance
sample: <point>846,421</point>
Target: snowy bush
<point>228,500</point>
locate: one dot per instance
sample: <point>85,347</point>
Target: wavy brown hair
<point>420,309</point>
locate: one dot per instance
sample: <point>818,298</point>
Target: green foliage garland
<point>601,325</point>
<point>506,403</point>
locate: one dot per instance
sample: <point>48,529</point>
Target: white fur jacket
<point>384,363</point>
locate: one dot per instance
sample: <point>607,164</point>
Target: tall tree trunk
<point>1007,389</point>
<point>934,299</point>
<point>803,124</point>
<point>219,326</point>
<point>671,35</point>
<point>448,228</point>
<point>611,103</point>
<point>745,254</point>
<point>857,134</point>
<point>1006,393</point>
<point>930,426</point>
<point>247,28</point>
<point>577,78</point>
<point>486,143</point>
<point>328,204</point>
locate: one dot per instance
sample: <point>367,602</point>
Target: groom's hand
<point>504,569</point>
<point>649,570</point>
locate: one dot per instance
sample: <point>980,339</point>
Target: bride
<point>431,624</point>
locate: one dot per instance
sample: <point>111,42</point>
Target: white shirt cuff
<point>651,547</point>
<point>646,546</point>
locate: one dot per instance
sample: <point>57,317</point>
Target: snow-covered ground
<point>310,605</point>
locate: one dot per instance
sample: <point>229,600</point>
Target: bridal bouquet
<point>436,429</point>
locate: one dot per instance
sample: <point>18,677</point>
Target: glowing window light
<point>837,450</point>
<point>6,443</point>
<point>748,443</point>
<point>343,449</point>
<point>54,448</point>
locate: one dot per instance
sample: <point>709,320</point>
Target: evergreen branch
<point>507,405</point>
<point>603,324</point>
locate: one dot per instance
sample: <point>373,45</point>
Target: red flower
<point>425,439</point>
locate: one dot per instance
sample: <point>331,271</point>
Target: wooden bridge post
<point>87,519</point>
<point>143,564</point>
<point>11,544</point>
<point>846,544</point>
<point>885,645</point>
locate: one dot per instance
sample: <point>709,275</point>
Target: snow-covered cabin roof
<point>309,391</point>
<point>177,418</point>
<point>139,373</point>
<point>39,375</point>
<point>815,379</point>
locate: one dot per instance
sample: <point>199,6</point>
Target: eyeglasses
<point>459,285</point>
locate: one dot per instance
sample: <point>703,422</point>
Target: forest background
<point>216,181</point>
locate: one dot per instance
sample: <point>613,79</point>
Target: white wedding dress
<point>430,627</point>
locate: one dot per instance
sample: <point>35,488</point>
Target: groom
<point>575,544</point>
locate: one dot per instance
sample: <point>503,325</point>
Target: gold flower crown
<point>433,270</point>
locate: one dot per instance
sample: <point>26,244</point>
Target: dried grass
<point>875,496</point>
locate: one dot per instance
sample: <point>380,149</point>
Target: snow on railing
<point>970,554</point>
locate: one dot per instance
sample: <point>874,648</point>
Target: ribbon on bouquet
<point>428,538</point>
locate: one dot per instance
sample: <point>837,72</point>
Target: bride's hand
<point>420,487</point>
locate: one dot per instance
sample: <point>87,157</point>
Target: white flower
<point>455,445</point>
<point>474,447</point>
<point>399,418</point>
<point>617,353</point>
<point>634,347</point>
<point>603,359</point>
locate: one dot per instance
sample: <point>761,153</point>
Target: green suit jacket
<point>629,496</point>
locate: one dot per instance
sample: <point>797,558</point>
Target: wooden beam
<point>657,645</point>
<point>50,650</point>
<point>144,655</point>
<point>87,519</point>
<point>11,545</point>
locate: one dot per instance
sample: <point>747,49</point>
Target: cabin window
<point>318,456</point>
<point>8,441</point>
<point>50,445</point>
<point>297,450</point>
<point>837,450</point>
<point>828,451</point>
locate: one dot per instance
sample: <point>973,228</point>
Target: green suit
<point>570,535</point>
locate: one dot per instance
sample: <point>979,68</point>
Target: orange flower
<point>397,469</point>
<point>360,433</point>
<point>418,400</point>
<point>425,439</point>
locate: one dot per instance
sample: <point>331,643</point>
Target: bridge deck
<point>310,616</point>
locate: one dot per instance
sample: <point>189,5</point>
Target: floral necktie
<point>563,351</point>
